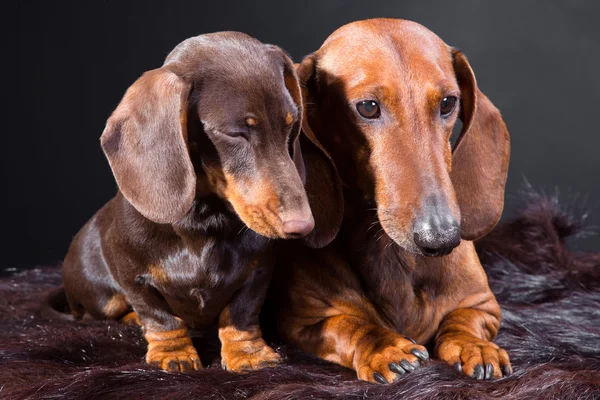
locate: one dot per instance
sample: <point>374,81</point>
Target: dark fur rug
<point>550,298</point>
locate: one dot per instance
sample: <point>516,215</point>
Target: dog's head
<point>221,116</point>
<point>384,97</point>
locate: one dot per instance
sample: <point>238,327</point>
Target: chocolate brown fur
<point>202,149</point>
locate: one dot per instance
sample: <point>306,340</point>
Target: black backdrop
<point>67,64</point>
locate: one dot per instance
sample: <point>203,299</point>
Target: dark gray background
<point>68,64</point>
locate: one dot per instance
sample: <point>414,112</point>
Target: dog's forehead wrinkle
<point>231,56</point>
<point>414,76</point>
<point>227,44</point>
<point>237,97</point>
<point>342,57</point>
<point>390,40</point>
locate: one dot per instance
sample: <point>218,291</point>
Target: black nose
<point>436,234</point>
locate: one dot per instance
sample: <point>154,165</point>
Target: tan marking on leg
<point>158,273</point>
<point>115,306</point>
<point>172,351</point>
<point>130,318</point>
<point>243,351</point>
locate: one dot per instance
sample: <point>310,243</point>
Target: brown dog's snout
<point>295,214</point>
<point>297,228</point>
<point>298,221</point>
<point>436,231</point>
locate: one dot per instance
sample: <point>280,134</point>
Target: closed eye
<point>238,134</point>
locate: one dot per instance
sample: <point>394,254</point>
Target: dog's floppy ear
<point>314,164</point>
<point>145,141</point>
<point>293,87</point>
<point>480,156</point>
<point>323,184</point>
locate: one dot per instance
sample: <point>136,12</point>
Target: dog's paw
<point>172,351</point>
<point>476,358</point>
<point>385,364</point>
<point>248,355</point>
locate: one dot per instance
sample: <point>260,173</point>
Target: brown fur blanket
<point>550,298</point>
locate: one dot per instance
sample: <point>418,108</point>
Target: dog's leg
<point>242,346</point>
<point>169,344</point>
<point>324,312</point>
<point>464,338</point>
<point>172,350</point>
<point>375,353</point>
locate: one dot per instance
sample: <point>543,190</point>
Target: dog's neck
<point>389,273</point>
<point>210,216</point>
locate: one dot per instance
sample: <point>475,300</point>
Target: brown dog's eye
<point>447,105</point>
<point>368,109</point>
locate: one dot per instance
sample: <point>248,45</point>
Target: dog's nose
<point>437,234</point>
<point>298,228</point>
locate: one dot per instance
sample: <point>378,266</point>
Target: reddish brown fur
<point>354,301</point>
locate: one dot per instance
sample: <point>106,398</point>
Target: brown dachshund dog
<point>382,97</point>
<point>202,148</point>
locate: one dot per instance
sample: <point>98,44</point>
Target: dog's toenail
<point>379,378</point>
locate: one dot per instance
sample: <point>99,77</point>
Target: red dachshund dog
<point>382,96</point>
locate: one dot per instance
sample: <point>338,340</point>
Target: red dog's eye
<point>447,105</point>
<point>368,109</point>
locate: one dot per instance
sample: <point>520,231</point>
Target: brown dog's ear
<point>145,141</point>
<point>323,185</point>
<point>480,156</point>
<point>293,87</point>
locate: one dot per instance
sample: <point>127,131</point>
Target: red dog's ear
<point>145,141</point>
<point>316,169</point>
<point>323,184</point>
<point>480,156</point>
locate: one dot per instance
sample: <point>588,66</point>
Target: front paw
<point>476,358</point>
<point>172,351</point>
<point>248,355</point>
<point>386,363</point>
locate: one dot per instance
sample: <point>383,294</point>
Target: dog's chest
<point>199,274</point>
<point>413,299</point>
<point>210,266</point>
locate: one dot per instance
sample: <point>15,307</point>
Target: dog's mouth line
<point>413,249</point>
<point>395,240</point>
<point>258,221</point>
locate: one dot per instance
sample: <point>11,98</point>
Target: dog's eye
<point>368,109</point>
<point>241,134</point>
<point>447,105</point>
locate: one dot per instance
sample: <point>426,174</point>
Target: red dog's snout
<point>436,232</point>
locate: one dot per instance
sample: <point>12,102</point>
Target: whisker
<point>371,225</point>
